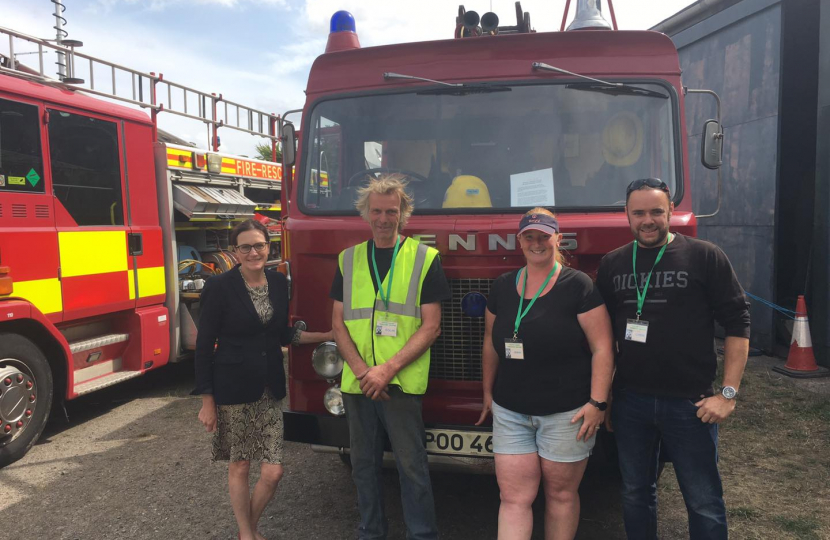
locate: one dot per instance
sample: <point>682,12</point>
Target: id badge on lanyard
<point>386,328</point>
<point>514,349</point>
<point>636,330</point>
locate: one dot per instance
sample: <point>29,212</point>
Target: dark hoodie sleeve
<point>725,294</point>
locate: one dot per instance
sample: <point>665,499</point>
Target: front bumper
<point>317,429</point>
<point>330,434</point>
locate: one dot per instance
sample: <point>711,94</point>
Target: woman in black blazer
<point>239,371</point>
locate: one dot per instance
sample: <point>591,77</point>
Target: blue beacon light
<point>343,34</point>
<point>342,21</point>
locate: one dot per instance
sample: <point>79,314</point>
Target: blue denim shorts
<point>553,436</point>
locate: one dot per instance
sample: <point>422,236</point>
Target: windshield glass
<point>563,146</point>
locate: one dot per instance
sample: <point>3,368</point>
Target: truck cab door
<point>145,241</point>
<point>88,181</point>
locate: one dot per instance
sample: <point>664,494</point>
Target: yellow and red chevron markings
<point>195,160</point>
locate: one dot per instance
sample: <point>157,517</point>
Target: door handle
<point>136,243</point>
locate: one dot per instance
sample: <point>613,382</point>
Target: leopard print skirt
<point>249,431</point>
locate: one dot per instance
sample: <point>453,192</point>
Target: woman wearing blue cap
<point>547,366</point>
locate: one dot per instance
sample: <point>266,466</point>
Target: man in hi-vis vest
<point>387,296</point>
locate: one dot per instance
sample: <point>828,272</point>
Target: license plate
<point>460,443</point>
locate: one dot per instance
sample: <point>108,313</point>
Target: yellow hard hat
<point>622,139</point>
<point>467,192</point>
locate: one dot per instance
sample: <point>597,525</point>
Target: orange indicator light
<point>6,283</point>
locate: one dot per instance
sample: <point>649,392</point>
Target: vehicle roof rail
<point>138,88</point>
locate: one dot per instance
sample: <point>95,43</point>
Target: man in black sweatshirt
<point>664,292</point>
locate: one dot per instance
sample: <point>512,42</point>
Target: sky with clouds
<point>259,52</point>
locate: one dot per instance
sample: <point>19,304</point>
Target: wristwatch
<point>602,405</point>
<point>729,392</point>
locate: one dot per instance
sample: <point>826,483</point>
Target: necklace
<point>249,285</point>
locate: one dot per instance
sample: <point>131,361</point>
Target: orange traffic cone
<point>801,362</point>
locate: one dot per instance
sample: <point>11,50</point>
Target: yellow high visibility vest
<point>363,307</point>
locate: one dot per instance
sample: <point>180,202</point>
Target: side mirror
<point>288,145</point>
<point>711,153</point>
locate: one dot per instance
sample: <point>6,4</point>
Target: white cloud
<point>106,6</point>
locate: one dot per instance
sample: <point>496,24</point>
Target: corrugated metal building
<point>769,60</point>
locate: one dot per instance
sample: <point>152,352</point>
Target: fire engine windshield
<point>562,146</point>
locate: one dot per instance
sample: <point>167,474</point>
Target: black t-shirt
<point>435,288</point>
<point>555,375</point>
<point>692,286</point>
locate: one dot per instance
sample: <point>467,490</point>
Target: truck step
<point>97,342</point>
<point>104,381</point>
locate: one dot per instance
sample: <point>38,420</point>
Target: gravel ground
<point>134,463</point>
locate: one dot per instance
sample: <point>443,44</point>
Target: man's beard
<point>658,240</point>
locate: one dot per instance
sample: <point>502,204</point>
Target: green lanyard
<point>519,314</point>
<point>389,275</point>
<point>641,296</point>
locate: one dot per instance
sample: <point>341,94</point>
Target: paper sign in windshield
<point>534,188</point>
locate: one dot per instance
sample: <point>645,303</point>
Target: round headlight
<point>333,401</point>
<point>326,360</point>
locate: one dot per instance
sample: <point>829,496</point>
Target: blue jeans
<point>401,419</point>
<point>641,424</point>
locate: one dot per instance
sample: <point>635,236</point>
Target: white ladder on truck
<point>146,90</point>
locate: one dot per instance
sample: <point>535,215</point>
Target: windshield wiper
<point>389,75</point>
<point>465,90</point>
<point>614,90</point>
<point>545,67</point>
<point>453,89</point>
<point>611,88</point>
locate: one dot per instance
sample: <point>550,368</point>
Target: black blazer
<point>236,355</point>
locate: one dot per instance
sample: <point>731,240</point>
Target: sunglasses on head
<point>652,183</point>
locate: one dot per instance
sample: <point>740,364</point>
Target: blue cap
<point>342,21</point>
<point>540,222</point>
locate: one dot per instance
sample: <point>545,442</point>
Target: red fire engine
<point>485,126</point>
<point>107,234</point>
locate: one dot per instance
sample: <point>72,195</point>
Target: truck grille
<point>456,354</point>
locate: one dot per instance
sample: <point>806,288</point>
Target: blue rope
<point>784,311</point>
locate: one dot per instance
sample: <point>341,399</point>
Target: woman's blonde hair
<point>559,256</point>
<point>386,184</point>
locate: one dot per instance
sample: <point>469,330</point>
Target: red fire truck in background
<point>107,234</point>
<point>485,127</point>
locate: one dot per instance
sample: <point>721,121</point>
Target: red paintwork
<point>86,296</point>
<point>153,253</point>
<point>342,41</point>
<point>141,177</point>
<point>16,251</point>
<point>508,57</point>
<point>313,242</point>
<point>30,90</point>
<point>151,335</point>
